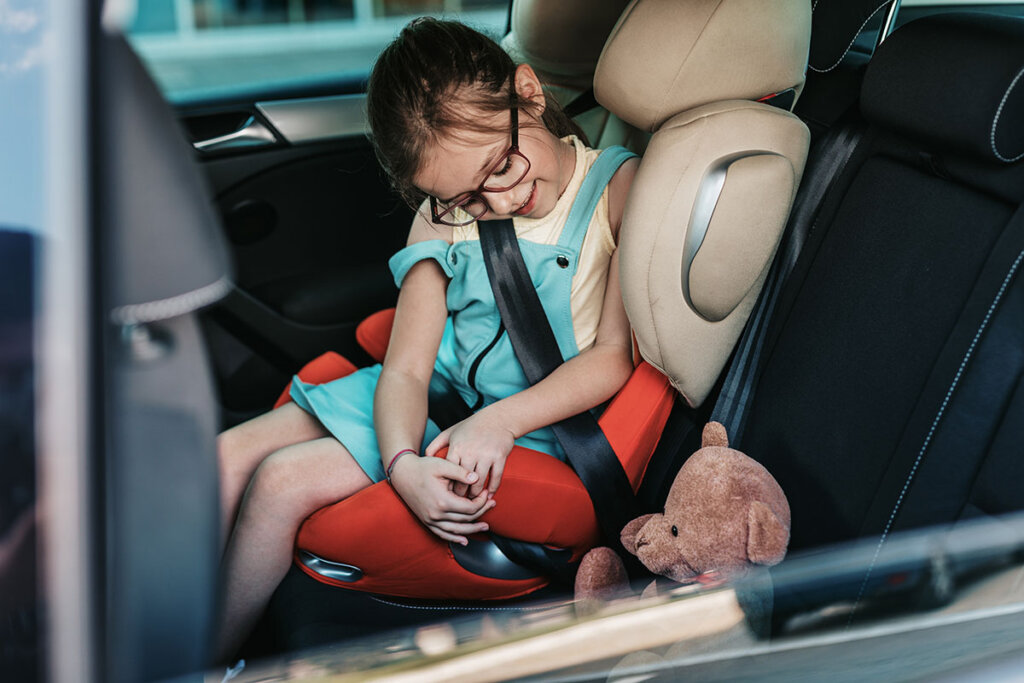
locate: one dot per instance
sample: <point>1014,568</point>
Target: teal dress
<point>475,358</point>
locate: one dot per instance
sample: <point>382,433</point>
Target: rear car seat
<point>842,35</point>
<point>889,393</point>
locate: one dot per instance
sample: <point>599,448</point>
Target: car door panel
<point>311,223</point>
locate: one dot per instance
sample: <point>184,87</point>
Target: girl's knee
<point>230,454</point>
<point>277,477</point>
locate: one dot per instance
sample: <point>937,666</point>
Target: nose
<point>501,203</point>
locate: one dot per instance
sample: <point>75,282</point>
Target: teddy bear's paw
<point>601,577</point>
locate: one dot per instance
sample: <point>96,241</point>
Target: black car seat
<point>889,393</point>
<point>843,36</point>
<point>562,42</point>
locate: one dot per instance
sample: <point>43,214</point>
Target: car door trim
<point>317,118</point>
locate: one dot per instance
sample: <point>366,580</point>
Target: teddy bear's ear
<point>629,532</point>
<point>767,536</point>
<point>714,434</point>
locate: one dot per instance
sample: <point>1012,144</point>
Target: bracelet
<point>394,459</point>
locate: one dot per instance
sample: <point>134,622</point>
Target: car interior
<point>855,320</point>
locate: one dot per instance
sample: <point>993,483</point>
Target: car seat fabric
<point>975,106</point>
<point>838,57</point>
<point>881,331</point>
<point>716,183</point>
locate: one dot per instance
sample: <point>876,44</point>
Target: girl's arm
<point>400,404</point>
<point>482,442</point>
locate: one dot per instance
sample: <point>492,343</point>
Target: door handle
<point>251,134</point>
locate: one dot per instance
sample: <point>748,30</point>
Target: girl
<point>465,134</point>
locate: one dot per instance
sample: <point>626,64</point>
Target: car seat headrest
<point>835,26</point>
<point>668,56</point>
<point>561,40</point>
<point>953,80</point>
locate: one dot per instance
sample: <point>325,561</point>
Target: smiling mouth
<point>527,206</point>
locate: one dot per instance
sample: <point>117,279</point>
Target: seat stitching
<point>935,423</point>
<point>999,111</point>
<point>852,41</point>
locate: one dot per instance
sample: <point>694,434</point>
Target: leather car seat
<point>700,228</point>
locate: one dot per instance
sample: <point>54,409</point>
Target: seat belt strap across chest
<point>536,348</point>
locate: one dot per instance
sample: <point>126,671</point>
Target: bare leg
<point>241,449</point>
<point>288,486</point>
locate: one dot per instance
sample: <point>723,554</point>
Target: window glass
<point>23,52</point>
<point>202,48</point>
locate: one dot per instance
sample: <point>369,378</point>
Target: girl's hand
<point>425,484</point>
<point>480,445</point>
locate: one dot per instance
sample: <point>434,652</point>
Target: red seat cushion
<point>374,333</point>
<point>321,369</point>
<point>540,500</point>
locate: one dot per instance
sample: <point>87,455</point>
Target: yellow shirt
<point>586,294</point>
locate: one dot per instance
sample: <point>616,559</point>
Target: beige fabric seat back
<point>562,42</point>
<point>715,186</point>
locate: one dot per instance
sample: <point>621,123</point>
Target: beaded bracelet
<point>394,459</point>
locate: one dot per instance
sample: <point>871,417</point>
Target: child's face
<point>459,162</point>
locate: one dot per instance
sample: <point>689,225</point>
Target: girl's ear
<point>528,86</point>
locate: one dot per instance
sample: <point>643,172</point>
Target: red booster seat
<point>541,501</point>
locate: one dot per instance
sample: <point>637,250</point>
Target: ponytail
<point>556,121</point>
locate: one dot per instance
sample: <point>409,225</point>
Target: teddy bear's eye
<point>675,531</point>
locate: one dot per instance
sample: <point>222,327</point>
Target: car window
<point>204,48</point>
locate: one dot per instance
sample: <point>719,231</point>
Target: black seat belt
<point>581,104</point>
<point>741,380</point>
<point>533,341</point>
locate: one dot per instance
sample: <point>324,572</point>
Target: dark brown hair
<point>420,84</point>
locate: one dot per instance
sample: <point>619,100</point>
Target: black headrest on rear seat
<point>834,30</point>
<point>956,80</point>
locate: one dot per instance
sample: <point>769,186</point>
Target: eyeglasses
<point>508,172</point>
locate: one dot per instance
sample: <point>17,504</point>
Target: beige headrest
<point>668,56</point>
<point>701,225</point>
<point>561,40</point>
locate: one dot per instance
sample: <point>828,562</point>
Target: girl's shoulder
<point>423,229</point>
<point>618,190</point>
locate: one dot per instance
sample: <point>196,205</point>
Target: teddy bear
<point>724,514</point>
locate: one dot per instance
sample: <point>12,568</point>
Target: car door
<point>272,95</point>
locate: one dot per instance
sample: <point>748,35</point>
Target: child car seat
<point>700,228</point>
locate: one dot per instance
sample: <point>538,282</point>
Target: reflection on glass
<point>19,642</point>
